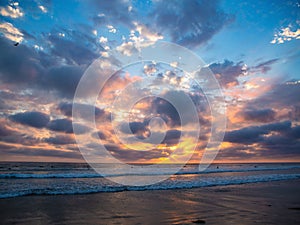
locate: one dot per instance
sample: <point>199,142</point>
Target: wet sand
<point>261,203</point>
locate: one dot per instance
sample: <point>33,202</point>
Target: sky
<point>251,47</point>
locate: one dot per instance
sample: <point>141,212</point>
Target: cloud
<point>264,67</point>
<point>228,72</point>
<point>138,128</point>
<point>146,33</point>
<point>279,127</point>
<point>12,11</point>
<point>20,139</point>
<point>100,135</point>
<point>111,29</point>
<point>10,32</point>
<point>66,109</point>
<point>74,52</point>
<point>139,37</point>
<point>294,132</point>
<point>260,115</point>
<point>43,8</point>
<point>99,19</point>
<point>166,111</point>
<point>132,155</point>
<point>286,34</point>
<point>19,65</point>
<point>285,143</point>
<point>6,99</point>
<point>150,69</point>
<point>33,119</point>
<point>63,79</point>
<point>172,137</point>
<point>47,75</point>
<point>275,141</point>
<point>127,48</point>
<point>65,125</point>
<point>37,70</point>
<point>4,131</point>
<point>113,11</point>
<point>12,151</point>
<point>283,97</point>
<point>60,140</point>
<point>246,135</point>
<point>254,134</point>
<point>191,22</point>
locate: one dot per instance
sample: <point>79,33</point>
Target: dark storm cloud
<point>73,46</point>
<point>33,119</point>
<point>253,134</point>
<point>284,143</point>
<point>281,96</point>
<point>200,101</point>
<point>27,67</point>
<point>135,128</point>
<point>294,132</point>
<point>132,155</point>
<point>281,151</point>
<point>190,22</point>
<point>63,79</point>
<point>264,67</point>
<point>60,140</point>
<point>260,115</point>
<point>74,52</point>
<point>166,111</point>
<point>163,108</point>
<point>65,125</point>
<point>18,65</point>
<point>246,135</point>
<point>279,127</point>
<point>283,140</point>
<point>7,150</point>
<point>240,152</point>
<point>66,109</point>
<point>280,145</point>
<point>172,137</point>
<point>228,72</point>
<point>277,140</point>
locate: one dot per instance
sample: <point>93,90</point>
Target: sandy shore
<point>260,203</point>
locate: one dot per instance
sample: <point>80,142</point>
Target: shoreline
<point>276,202</point>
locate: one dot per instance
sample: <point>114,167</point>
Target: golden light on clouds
<point>10,32</point>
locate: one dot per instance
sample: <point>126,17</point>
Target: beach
<point>276,202</point>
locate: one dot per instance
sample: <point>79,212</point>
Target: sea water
<point>24,178</point>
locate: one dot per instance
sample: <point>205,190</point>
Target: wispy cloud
<point>10,32</point>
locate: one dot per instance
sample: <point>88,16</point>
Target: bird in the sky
<point>16,44</point>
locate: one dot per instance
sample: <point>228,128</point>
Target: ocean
<point>21,179</point>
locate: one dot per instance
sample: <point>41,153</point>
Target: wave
<point>158,172</point>
<point>166,185</point>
